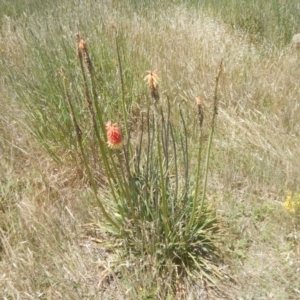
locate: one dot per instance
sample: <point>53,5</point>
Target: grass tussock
<point>50,240</point>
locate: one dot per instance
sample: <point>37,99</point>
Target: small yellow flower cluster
<point>292,203</point>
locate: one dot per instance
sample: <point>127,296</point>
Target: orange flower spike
<point>152,79</point>
<point>114,136</point>
<point>198,100</point>
<point>82,45</point>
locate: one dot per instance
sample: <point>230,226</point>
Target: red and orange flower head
<point>152,79</point>
<point>82,45</point>
<point>199,100</point>
<point>114,136</point>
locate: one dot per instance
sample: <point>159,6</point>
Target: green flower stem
<point>162,183</point>
<point>112,173</point>
<point>206,167</point>
<point>93,184</point>
<point>128,192</point>
<point>122,84</point>
<point>85,161</point>
<point>213,123</point>
<point>212,129</point>
<point>195,199</point>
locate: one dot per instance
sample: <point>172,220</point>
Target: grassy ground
<point>271,21</point>
<point>49,248</point>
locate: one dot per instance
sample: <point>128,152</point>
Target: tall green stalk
<point>212,128</point>
<point>84,158</point>
<point>122,83</point>
<point>107,157</point>
<point>161,161</point>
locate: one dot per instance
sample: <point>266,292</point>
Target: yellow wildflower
<point>292,203</point>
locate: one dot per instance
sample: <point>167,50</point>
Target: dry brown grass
<point>45,252</point>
